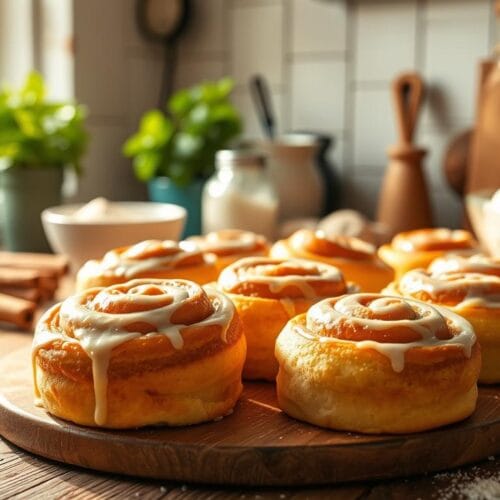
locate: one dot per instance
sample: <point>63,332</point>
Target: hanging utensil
<point>262,102</point>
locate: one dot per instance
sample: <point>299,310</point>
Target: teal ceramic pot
<point>163,190</point>
<point>24,193</point>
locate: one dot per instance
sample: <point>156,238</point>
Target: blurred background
<point>328,65</point>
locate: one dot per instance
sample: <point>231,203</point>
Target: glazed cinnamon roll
<point>377,364</point>
<point>356,259</point>
<point>267,293</point>
<point>141,353</point>
<point>148,259</point>
<point>418,248</point>
<point>230,245</point>
<point>469,287</point>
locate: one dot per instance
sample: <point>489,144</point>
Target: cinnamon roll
<point>377,364</point>
<point>469,287</point>
<point>230,245</point>
<point>140,353</point>
<point>148,259</point>
<point>418,248</point>
<point>356,259</point>
<point>267,293</point>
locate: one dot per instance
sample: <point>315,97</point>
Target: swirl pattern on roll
<point>346,247</point>
<point>389,325</point>
<point>101,319</point>
<point>459,289</point>
<point>149,255</point>
<point>282,278</point>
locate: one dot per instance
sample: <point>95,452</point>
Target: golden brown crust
<point>267,293</point>
<point>356,259</point>
<point>178,333</point>
<point>417,249</point>
<point>329,380</point>
<point>471,288</point>
<point>148,259</point>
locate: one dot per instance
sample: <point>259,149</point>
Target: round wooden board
<point>256,445</point>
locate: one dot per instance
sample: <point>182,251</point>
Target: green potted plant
<point>38,139</point>
<point>174,150</point>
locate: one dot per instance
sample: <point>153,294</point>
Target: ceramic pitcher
<point>292,161</point>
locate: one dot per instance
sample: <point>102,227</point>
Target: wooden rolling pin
<point>404,199</point>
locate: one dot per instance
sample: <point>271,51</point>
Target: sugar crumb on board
<point>473,484</point>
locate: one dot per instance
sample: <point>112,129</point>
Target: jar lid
<point>240,157</point>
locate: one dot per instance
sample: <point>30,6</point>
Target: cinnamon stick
<point>25,278</point>
<point>56,264</point>
<point>17,311</point>
<point>31,294</point>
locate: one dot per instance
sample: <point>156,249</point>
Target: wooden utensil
<point>484,170</point>
<point>404,200</point>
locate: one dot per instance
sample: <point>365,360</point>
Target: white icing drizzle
<point>477,263</point>
<point>259,270</point>
<point>128,263</point>
<point>288,306</point>
<point>482,290</point>
<point>98,333</point>
<point>427,321</point>
<point>229,241</point>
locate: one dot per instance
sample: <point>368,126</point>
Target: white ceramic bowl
<point>81,240</point>
<point>485,221</point>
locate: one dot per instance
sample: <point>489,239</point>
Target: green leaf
<point>28,123</point>
<point>146,165</point>
<point>225,87</point>
<point>180,103</point>
<point>33,90</point>
<point>187,146</point>
<point>203,120</point>
<point>181,173</point>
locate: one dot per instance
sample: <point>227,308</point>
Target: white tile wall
<point>144,81</point>
<point>374,129</point>
<point>329,65</point>
<point>117,75</point>
<point>16,41</point>
<point>113,177</point>
<point>311,81</point>
<point>257,42</point>
<point>253,129</point>
<point>452,52</point>
<point>100,70</point>
<point>208,24</point>
<point>191,72</point>
<point>384,39</point>
<point>318,26</point>
<point>458,10</point>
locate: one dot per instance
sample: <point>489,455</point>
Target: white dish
<point>485,220</point>
<point>124,223</point>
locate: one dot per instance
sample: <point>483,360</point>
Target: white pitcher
<point>292,160</point>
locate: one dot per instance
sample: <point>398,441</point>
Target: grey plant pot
<point>24,193</point>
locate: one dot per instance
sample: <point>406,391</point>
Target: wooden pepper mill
<point>404,199</point>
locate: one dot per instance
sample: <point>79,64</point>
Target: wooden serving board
<point>256,445</point>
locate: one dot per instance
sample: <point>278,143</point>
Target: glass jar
<point>240,195</point>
